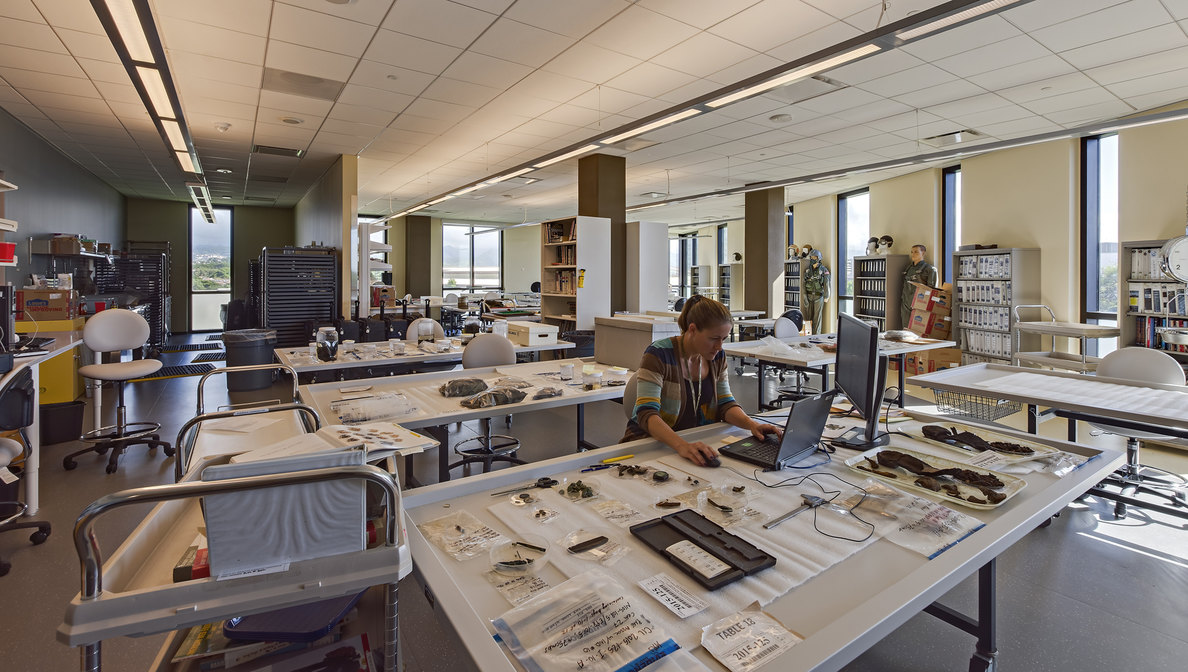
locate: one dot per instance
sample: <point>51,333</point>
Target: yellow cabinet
<point>59,378</point>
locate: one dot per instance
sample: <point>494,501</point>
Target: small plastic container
<point>592,381</point>
<point>567,372</point>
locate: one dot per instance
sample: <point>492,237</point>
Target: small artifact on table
<point>588,545</point>
<point>577,490</point>
<point>901,335</point>
<point>721,507</point>
<point>894,458</point>
<point>667,504</point>
<point>951,435</point>
<point>874,469</point>
<point>547,392</point>
<point>496,396</point>
<point>462,387</point>
<point>660,476</point>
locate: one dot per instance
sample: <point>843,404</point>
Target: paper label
<point>7,476</point>
<point>673,595</point>
<point>986,460</point>
<point>619,513</point>
<point>695,557</point>
<point>747,640</point>
<point>517,589</point>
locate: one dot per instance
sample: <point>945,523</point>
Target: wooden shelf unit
<point>878,286</point>
<point>575,271</point>
<point>990,283</point>
<point>1155,298</point>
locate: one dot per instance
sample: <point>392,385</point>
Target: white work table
<point>379,356</point>
<point>841,612</point>
<point>431,411</point>
<point>808,354</point>
<point>63,341</point>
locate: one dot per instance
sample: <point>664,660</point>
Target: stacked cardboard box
<point>931,318</point>
<point>46,304</point>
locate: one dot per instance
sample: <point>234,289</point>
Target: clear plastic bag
<point>619,513</point>
<point>589,623</point>
<point>387,406</point>
<point>460,535</point>
<point>517,589</point>
<point>511,381</point>
<point>496,396</point>
<point>747,640</point>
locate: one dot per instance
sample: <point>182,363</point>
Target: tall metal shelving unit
<point>297,284</point>
<point>147,276</point>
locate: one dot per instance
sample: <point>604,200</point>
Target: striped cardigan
<point>661,384</point>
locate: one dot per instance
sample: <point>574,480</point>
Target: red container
<point>7,252</point>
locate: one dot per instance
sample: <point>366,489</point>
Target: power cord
<point>827,494</point>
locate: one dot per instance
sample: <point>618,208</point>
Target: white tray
<point>1013,484</point>
<point>1041,451</point>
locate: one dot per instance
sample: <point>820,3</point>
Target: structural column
<point>418,240</point>
<point>763,257</point>
<point>602,192</point>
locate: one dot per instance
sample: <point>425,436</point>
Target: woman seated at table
<point>682,382</point>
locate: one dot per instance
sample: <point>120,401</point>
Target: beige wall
<point>815,223</point>
<point>253,229</point>
<point>908,209</point>
<point>1027,197</point>
<point>327,215</point>
<point>168,221</point>
<point>1152,175</point>
<point>521,258</point>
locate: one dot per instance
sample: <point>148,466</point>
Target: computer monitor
<point>861,375</point>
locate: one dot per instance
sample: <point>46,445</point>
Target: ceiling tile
<point>319,31</point>
<point>877,68</point>
<point>862,114</point>
<point>573,19</point>
<point>844,99</point>
<point>1068,101</point>
<point>411,52</point>
<point>119,93</point>
<point>914,79</point>
<point>548,86</point>
<point>1044,88</point>
<point>362,115</point>
<point>1141,43</point>
<point>42,61</point>
<point>72,14</point>
<point>521,43</point>
<point>390,78</point>
<point>649,79</point>
<point>1023,73</point>
<point>46,99</point>
<point>179,35</point>
<point>370,12</point>
<point>307,61</point>
<point>486,70</point>
<point>771,23</point>
<point>21,9</point>
<point>287,104</point>
<point>1142,66</point>
<point>641,33</point>
<point>1120,19</point>
<point>216,69</point>
<point>104,71</point>
<point>354,94</point>
<point>431,125</point>
<point>221,91</point>
<point>749,67</point>
<point>993,56</point>
<point>30,35</point>
<point>1159,98</point>
<point>940,93</point>
<point>461,93</point>
<point>698,13</point>
<point>28,80</point>
<point>250,17</point>
<point>1090,113</point>
<point>1150,84</point>
<point>703,54</point>
<point>1035,15</point>
<point>988,30</point>
<point>591,63</point>
<point>824,38</point>
<point>445,22</point>
<point>354,129</point>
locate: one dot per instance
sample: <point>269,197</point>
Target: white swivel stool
<point>488,350</point>
<point>116,330</point>
<point>16,413</point>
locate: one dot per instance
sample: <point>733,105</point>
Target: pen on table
<point>596,467</point>
<point>617,459</point>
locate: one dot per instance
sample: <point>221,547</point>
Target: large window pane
<point>1099,244</point>
<point>486,259</point>
<point>210,268</point>
<point>455,258</point>
<point>470,259</point>
<point>853,221</point>
<point>951,230</point>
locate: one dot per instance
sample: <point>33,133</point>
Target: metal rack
<point>297,284</point>
<point>147,276</point>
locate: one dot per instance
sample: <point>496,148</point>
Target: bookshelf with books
<point>878,284</point>
<point>792,280</point>
<point>575,271</point>
<point>990,283</point>
<point>1148,299</point>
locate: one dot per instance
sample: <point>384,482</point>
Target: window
<point>471,258</point>
<point>951,213</point>
<point>853,230</point>
<point>788,240</point>
<point>723,255</point>
<point>682,260</point>
<point>1099,236</point>
<point>210,268</point>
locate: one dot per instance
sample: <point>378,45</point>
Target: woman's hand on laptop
<point>760,430</point>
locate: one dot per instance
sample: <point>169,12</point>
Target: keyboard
<point>767,451</point>
<point>32,343</point>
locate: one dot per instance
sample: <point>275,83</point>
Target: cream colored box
<point>531,333</point>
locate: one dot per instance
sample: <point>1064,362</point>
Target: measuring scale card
<point>694,556</point>
<point>673,595</point>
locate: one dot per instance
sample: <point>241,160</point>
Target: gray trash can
<point>244,348</point>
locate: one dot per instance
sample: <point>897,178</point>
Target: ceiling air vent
<point>952,138</point>
<point>278,151</point>
<point>258,198</point>
<point>298,84</point>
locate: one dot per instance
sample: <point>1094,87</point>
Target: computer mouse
<point>713,461</point>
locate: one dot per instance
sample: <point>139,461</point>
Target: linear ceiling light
<point>953,19</point>
<point>131,32</point>
<point>799,73</point>
<point>509,176</point>
<point>186,161</point>
<point>648,127</point>
<point>568,155</point>
<point>155,87</point>
<point>174,133</point>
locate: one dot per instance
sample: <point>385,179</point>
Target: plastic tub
<point>62,422</point>
<point>246,347</point>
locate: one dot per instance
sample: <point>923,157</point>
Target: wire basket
<point>975,406</point>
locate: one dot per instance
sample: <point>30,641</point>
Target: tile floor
<point>1085,593</point>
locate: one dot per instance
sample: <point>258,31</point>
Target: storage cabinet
<point>6,224</point>
<point>990,283</point>
<point>878,288</point>
<point>792,280</point>
<point>575,271</point>
<point>1148,299</point>
<point>372,259</point>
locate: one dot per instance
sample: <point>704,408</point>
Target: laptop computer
<point>802,433</point>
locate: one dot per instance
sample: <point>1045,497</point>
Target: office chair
<point>678,304</point>
<point>117,330</point>
<point>534,287</point>
<point>790,323</point>
<point>1148,366</point>
<point>488,350</point>
<point>450,317</point>
<point>16,413</point>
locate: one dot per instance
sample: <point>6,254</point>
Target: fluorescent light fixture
<point>569,155</point>
<point>671,119</point>
<point>127,22</point>
<point>799,73</point>
<point>509,176</point>
<point>174,133</point>
<point>443,198</point>
<point>155,86</point>
<point>469,189</point>
<point>186,161</point>
<point>958,17</point>
<point>645,207</point>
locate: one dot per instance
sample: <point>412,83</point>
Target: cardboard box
<point>65,245</point>
<point>930,325</point>
<point>47,304</point>
<point>622,339</point>
<point>931,299</point>
<point>531,333</point>
<point>928,361</point>
<point>104,248</point>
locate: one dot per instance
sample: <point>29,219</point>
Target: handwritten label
<point>698,559</point>
<point>673,595</point>
<point>619,513</point>
<point>517,589</point>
